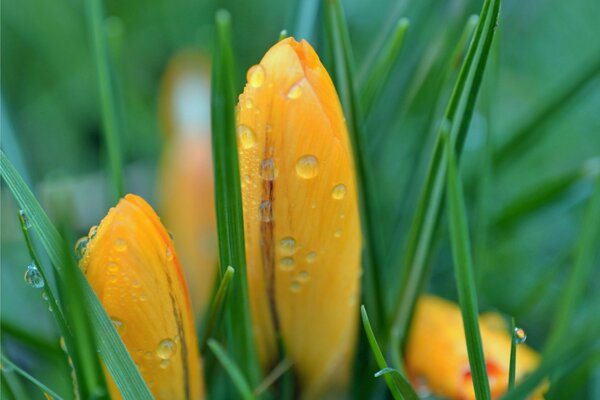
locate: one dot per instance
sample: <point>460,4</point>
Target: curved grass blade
<point>108,97</point>
<point>114,354</point>
<point>24,374</point>
<point>228,200</point>
<point>426,218</point>
<point>343,72</point>
<point>216,308</point>
<point>234,372</point>
<point>465,279</point>
<point>400,381</point>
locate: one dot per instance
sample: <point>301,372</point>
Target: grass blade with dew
<point>426,218</point>
<point>228,200</point>
<point>45,389</point>
<point>463,271</point>
<point>373,77</point>
<point>398,385</point>
<point>107,91</point>
<point>587,249</point>
<point>343,73</point>
<point>234,372</point>
<point>513,355</point>
<point>216,308</point>
<point>114,354</point>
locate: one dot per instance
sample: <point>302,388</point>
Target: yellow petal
<point>302,228</point>
<point>186,179</point>
<point>436,353</point>
<point>132,266</point>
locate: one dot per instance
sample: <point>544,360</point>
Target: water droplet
<point>81,247</point>
<point>120,245</point>
<point>171,236</point>
<point>286,263</point>
<point>249,104</point>
<point>113,267</point>
<point>26,222</point>
<point>267,169</point>
<point>166,349</point>
<point>303,276</point>
<point>294,92</point>
<point>246,136</point>
<point>520,335</point>
<point>143,297</point>
<point>311,257</point>
<point>136,284</point>
<point>169,254</point>
<point>33,277</point>
<point>265,212</point>
<point>339,191</point>
<point>164,364</point>
<point>307,167</point>
<point>256,76</point>
<point>120,326</point>
<point>287,245</point>
<point>93,231</point>
<point>337,233</point>
<point>148,355</point>
<point>295,287</point>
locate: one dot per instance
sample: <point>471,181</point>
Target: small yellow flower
<point>132,266</point>
<point>185,189</point>
<point>302,228</point>
<point>436,353</point>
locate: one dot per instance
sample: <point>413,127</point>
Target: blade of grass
<point>463,271</point>
<point>307,18</point>
<point>513,355</point>
<point>587,248</point>
<point>234,372</point>
<point>400,381</point>
<point>373,77</point>
<point>277,372</point>
<point>33,340</point>
<point>343,72</point>
<point>34,381</point>
<point>114,353</point>
<point>216,308</point>
<point>228,200</point>
<point>108,99</point>
<point>426,218</point>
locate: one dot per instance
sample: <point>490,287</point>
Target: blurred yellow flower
<point>132,266</point>
<point>185,191</point>
<point>302,228</point>
<point>436,352</point>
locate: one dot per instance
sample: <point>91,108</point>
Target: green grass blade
<point>343,72</point>
<point>216,308</point>
<point>24,374</point>
<point>465,279</point>
<point>426,218</point>
<point>228,200</point>
<point>513,355</point>
<point>587,249</point>
<point>234,372</point>
<point>307,19</point>
<point>108,98</point>
<point>400,382</point>
<point>109,344</point>
<point>400,389</point>
<point>531,129</point>
<point>374,77</point>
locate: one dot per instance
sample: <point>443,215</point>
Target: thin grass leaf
<point>114,353</point>
<point>24,374</point>
<point>33,340</point>
<point>307,18</point>
<point>374,77</point>
<point>465,279</point>
<point>426,218</point>
<point>12,387</point>
<point>587,249</point>
<point>397,383</point>
<point>280,369</point>
<point>513,355</point>
<point>343,72</point>
<point>233,370</point>
<point>216,308</point>
<point>531,129</point>
<point>230,223</point>
<point>108,98</point>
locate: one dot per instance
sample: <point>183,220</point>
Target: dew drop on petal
<point>267,169</point>
<point>295,287</point>
<point>256,76</point>
<point>113,267</point>
<point>81,247</point>
<point>166,349</point>
<point>339,191</point>
<point>164,364</point>
<point>337,233</point>
<point>287,245</point>
<point>33,277</point>
<point>303,276</point>
<point>265,212</point>
<point>294,92</point>
<point>311,257</point>
<point>248,103</point>
<point>246,136</point>
<point>120,245</point>
<point>93,231</point>
<point>169,254</point>
<point>286,263</point>
<point>520,335</point>
<point>307,167</point>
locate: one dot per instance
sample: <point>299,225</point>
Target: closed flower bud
<point>436,353</point>
<point>132,267</point>
<point>301,221</point>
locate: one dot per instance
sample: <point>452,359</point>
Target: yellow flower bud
<point>301,221</point>
<point>436,352</point>
<point>132,266</point>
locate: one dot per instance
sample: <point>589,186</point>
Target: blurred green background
<point>51,129</point>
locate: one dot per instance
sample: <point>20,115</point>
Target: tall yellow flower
<point>436,353</point>
<point>132,266</point>
<point>186,190</point>
<point>302,228</point>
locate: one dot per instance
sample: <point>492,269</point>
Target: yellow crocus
<point>133,268</point>
<point>186,190</point>
<point>437,358</point>
<point>301,222</point>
